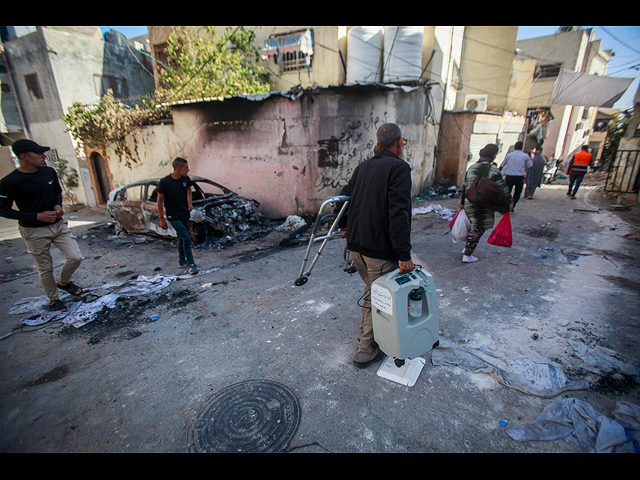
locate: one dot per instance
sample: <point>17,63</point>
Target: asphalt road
<point>125,383</point>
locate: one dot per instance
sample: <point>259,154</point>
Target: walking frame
<point>333,233</point>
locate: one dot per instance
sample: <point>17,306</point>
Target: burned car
<point>218,214</point>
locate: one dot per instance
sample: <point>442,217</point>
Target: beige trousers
<point>369,269</point>
<point>39,240</point>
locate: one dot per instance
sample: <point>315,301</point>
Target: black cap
<point>24,146</point>
<point>490,151</point>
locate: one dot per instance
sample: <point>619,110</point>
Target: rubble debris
<point>82,312</point>
<point>293,222</point>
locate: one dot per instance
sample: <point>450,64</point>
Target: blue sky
<point>624,40</point>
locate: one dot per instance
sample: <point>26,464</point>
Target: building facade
<point>51,68</point>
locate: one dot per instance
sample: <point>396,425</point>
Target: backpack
<point>485,192</point>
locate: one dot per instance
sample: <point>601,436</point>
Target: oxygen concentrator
<point>404,309</point>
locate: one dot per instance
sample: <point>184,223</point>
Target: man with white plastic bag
<point>481,218</point>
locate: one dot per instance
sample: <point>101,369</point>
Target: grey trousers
<point>369,269</point>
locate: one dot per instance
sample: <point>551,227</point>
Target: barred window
<point>292,51</point>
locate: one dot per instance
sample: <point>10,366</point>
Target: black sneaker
<point>379,356</point>
<point>193,270</point>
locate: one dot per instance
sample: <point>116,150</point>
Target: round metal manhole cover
<point>255,416</point>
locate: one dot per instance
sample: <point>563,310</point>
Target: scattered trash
<point>548,248</point>
<point>613,228</point>
<point>580,423</point>
<point>438,193</point>
<point>80,313</point>
<point>540,377</point>
<point>503,423</point>
<point>542,256</point>
<point>443,213</point>
<point>155,318</point>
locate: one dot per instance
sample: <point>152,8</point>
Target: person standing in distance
<point>378,226</point>
<point>36,191</point>
<point>577,168</point>
<point>514,167</point>
<point>174,195</point>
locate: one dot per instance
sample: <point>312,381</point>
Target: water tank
<point>402,54</point>
<point>364,54</point>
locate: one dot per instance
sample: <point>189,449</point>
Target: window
<point>292,51</point>
<point>104,83</point>
<point>547,71</point>
<point>33,84</point>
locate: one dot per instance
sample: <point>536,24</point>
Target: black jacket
<point>379,218</point>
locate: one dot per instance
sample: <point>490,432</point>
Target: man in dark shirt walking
<point>174,195</point>
<point>379,226</point>
<point>35,189</point>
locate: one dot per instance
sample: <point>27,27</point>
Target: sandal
<point>71,288</point>
<point>57,306</point>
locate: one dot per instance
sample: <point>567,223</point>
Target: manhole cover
<point>256,416</point>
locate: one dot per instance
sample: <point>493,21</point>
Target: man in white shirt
<point>514,168</point>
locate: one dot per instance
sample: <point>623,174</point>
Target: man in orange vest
<point>577,169</point>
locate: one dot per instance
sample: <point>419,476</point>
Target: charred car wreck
<point>219,214</point>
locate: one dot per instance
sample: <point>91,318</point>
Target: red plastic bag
<point>502,235</point>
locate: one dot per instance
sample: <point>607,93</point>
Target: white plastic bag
<point>460,228</point>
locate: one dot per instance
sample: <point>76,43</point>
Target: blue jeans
<point>184,246</point>
<point>577,179</point>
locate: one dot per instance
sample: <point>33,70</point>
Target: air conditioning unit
<point>477,103</point>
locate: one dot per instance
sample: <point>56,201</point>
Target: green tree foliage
<point>202,66</point>
<point>617,130</point>
<point>108,123</point>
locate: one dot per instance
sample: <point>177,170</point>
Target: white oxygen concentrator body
<point>405,314</point>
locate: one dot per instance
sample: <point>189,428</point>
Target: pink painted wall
<point>291,155</point>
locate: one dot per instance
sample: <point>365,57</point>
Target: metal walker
<point>348,266</point>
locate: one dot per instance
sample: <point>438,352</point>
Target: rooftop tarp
<point>582,89</point>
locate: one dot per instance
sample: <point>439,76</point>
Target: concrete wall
<point>290,155</point>
<point>293,155</point>
<point>486,64</point>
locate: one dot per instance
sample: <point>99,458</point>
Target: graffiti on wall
<point>339,156</point>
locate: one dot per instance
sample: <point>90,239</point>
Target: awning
<point>582,89</point>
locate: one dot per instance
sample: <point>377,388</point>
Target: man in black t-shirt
<point>35,189</point>
<point>174,195</point>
